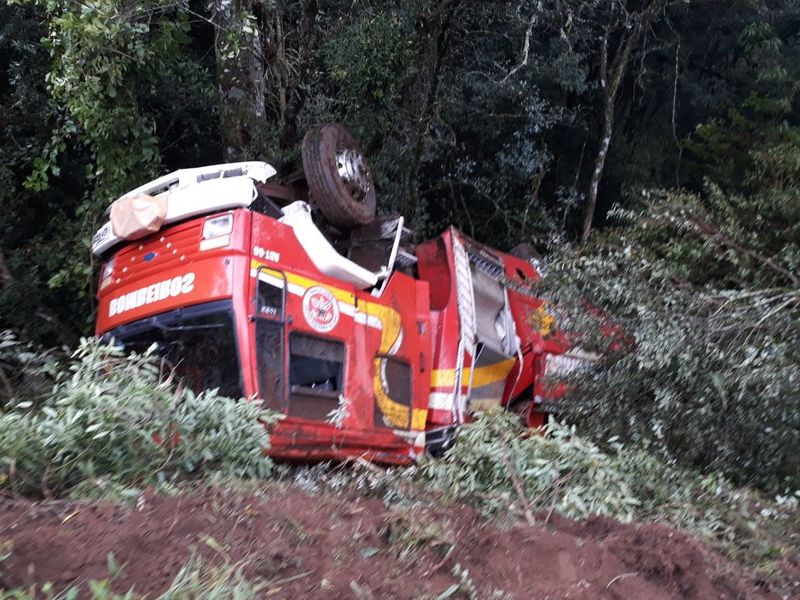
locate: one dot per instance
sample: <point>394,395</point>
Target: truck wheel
<point>338,177</point>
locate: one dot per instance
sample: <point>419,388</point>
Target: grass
<point>196,580</point>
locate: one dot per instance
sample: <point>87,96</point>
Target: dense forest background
<point>649,148</point>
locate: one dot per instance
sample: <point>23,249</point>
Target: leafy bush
<point>499,466</point>
<point>499,462</point>
<point>23,371</point>
<point>370,58</point>
<point>115,417</point>
<point>708,285</point>
<point>713,379</point>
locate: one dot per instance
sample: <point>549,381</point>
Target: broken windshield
<point>198,344</point>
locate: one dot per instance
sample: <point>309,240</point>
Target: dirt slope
<point>326,546</point>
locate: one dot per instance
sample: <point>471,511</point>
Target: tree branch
<point>512,474</point>
<point>713,233</point>
<point>526,49</point>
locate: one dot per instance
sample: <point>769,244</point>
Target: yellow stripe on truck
<point>486,375</point>
<point>395,413</point>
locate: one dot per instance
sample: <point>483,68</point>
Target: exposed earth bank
<point>296,545</point>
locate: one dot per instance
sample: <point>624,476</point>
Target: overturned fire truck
<point>292,291</point>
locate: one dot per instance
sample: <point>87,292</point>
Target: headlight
<point>217,226</point>
<point>106,273</point>
<point>108,269</point>
<point>217,232</point>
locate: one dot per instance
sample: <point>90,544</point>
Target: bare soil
<point>350,546</point>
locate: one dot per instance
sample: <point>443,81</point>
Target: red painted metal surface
<point>404,366</point>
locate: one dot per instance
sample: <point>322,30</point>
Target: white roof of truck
<point>197,191</point>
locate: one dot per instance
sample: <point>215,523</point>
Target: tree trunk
<point>296,96</point>
<point>240,76</point>
<point>610,81</point>
<point>434,52</point>
<point>599,165</point>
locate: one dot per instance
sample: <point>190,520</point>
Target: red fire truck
<point>292,291</point>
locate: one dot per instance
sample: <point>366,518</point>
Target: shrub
<point>712,381</point>
<point>497,461</point>
<point>117,418</point>
<point>709,286</point>
<point>23,370</point>
<point>497,465</point>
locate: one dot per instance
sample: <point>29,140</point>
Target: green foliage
<point>723,148</point>
<point>560,470</point>
<point>712,306</point>
<point>370,60</point>
<point>706,283</point>
<point>499,466</point>
<point>196,581</point>
<point>102,52</point>
<point>708,286</point>
<point>114,419</point>
<point>95,97</point>
<point>23,371</point>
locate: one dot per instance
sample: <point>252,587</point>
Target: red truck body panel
<point>355,372</point>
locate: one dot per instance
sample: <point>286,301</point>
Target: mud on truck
<point>292,291</point>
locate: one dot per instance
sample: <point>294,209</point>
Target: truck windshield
<point>198,344</point>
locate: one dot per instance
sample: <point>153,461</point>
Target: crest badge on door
<point>320,309</point>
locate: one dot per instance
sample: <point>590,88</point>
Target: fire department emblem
<point>320,309</point>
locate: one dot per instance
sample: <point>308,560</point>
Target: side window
<point>269,300</point>
<point>396,379</point>
<point>269,350</point>
<point>316,372</point>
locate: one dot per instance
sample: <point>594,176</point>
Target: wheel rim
<point>354,172</point>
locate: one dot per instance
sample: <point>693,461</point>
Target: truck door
<point>397,342</point>
<point>270,337</point>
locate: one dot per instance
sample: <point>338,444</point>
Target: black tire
<point>343,203</point>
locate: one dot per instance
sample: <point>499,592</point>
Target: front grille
<point>159,252</point>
